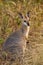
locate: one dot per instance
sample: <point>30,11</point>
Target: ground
<point>10,21</point>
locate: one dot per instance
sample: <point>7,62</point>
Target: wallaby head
<point>25,23</point>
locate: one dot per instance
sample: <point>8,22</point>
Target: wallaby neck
<point>25,30</point>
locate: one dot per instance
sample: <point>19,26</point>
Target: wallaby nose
<point>28,24</point>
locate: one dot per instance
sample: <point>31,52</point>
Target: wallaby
<point>16,42</point>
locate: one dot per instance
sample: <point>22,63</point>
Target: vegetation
<point>10,21</point>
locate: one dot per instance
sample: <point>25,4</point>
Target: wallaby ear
<point>28,13</point>
<point>21,16</point>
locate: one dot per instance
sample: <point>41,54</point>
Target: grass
<point>9,22</point>
<point>1,40</point>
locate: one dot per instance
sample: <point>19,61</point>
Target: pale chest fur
<point>27,32</point>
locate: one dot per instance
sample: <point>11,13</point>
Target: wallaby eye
<point>24,20</point>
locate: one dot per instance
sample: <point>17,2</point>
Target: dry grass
<point>9,22</point>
